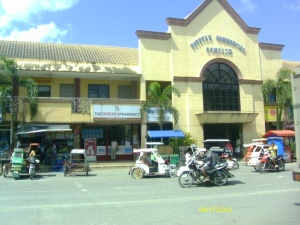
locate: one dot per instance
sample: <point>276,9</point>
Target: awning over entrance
<point>30,129</point>
<point>164,133</point>
<point>216,117</point>
<point>280,133</point>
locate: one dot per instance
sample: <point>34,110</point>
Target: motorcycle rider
<point>209,162</point>
<point>273,151</point>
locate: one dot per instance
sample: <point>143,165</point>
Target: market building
<point>95,92</point>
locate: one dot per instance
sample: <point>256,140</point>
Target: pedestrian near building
<point>19,144</point>
<point>54,150</point>
<point>114,146</point>
<point>237,145</point>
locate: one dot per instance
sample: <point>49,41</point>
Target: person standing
<point>19,143</point>
<point>54,150</point>
<point>237,145</point>
<point>114,146</point>
<point>229,146</point>
<point>42,147</point>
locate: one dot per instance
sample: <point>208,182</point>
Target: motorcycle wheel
<point>185,179</point>
<point>5,172</point>
<point>172,171</point>
<point>31,173</point>
<point>87,171</point>
<point>137,173</point>
<point>65,170</point>
<point>261,168</point>
<point>281,166</point>
<point>220,178</point>
<point>235,165</point>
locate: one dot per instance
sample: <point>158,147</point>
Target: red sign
<point>90,146</point>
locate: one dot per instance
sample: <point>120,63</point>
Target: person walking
<point>114,146</point>
<point>54,150</point>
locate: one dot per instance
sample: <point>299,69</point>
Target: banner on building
<point>270,113</point>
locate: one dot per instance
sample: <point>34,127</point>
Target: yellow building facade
<point>212,56</point>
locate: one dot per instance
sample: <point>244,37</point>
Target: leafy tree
<point>9,92</point>
<point>187,140</point>
<point>160,98</point>
<point>282,89</point>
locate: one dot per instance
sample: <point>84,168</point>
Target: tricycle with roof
<point>21,165</point>
<point>151,163</point>
<point>77,163</point>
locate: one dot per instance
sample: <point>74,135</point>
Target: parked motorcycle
<point>228,158</point>
<point>265,163</point>
<point>218,175</point>
<point>33,167</point>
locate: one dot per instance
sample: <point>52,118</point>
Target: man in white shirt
<point>114,146</point>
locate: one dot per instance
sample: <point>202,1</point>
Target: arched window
<point>220,88</point>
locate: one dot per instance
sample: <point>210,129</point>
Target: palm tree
<point>187,140</point>
<point>282,89</point>
<point>160,98</point>
<point>9,93</point>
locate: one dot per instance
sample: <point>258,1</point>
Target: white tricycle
<point>258,148</point>
<point>151,163</point>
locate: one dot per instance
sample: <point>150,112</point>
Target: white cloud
<point>293,6</point>
<point>18,19</point>
<point>44,33</point>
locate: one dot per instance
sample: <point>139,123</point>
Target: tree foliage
<point>160,98</point>
<point>187,140</point>
<point>282,89</point>
<point>9,78</point>
<point>9,88</point>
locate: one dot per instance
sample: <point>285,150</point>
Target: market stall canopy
<point>30,129</point>
<point>165,133</point>
<point>279,133</point>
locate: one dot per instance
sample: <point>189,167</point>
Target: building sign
<point>117,112</point>
<point>208,40</point>
<point>42,81</point>
<point>153,113</point>
<point>270,113</point>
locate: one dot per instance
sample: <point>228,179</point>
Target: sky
<point>114,22</point>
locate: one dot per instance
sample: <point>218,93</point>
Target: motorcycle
<point>33,167</point>
<point>218,175</point>
<point>265,163</point>
<point>228,158</point>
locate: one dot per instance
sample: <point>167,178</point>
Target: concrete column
<point>296,105</point>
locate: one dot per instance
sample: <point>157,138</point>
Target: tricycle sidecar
<point>77,163</point>
<point>19,165</point>
<point>151,163</point>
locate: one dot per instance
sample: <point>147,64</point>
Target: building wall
<point>175,57</point>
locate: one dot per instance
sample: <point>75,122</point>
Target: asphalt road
<point>110,196</point>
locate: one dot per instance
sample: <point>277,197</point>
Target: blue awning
<point>165,133</point>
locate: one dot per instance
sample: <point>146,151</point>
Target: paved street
<point>110,196</point>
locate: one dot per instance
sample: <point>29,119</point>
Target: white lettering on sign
<point>153,114</point>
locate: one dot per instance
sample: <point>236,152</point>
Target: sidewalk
<point>109,164</point>
<point>95,165</point>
